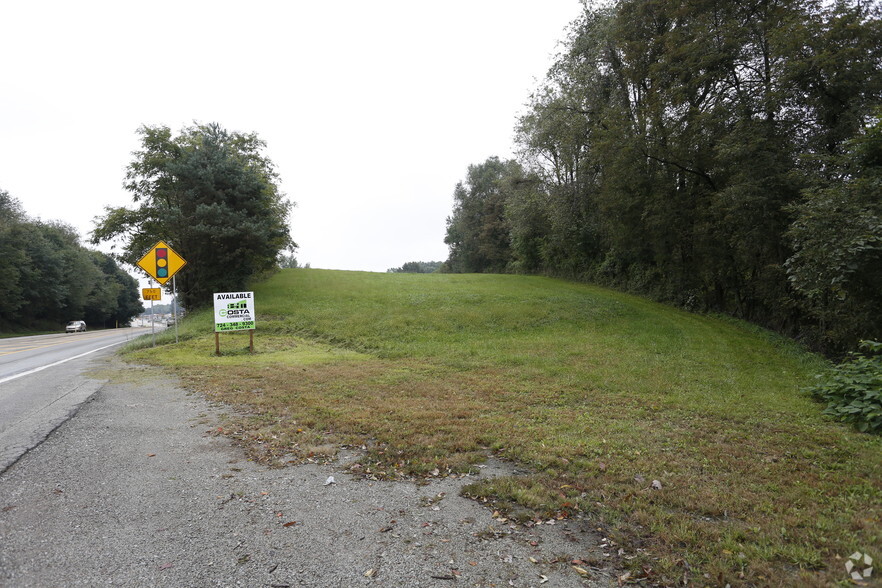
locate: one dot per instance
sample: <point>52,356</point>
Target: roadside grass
<point>26,334</point>
<point>7,332</point>
<point>596,393</point>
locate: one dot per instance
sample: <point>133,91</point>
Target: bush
<point>853,389</point>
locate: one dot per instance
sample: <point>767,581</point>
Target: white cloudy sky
<point>371,110</point>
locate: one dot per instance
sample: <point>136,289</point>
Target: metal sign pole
<point>152,319</point>
<point>175,304</point>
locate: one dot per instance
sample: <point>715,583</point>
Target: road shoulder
<point>135,491</point>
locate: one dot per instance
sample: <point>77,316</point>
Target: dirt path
<point>133,492</point>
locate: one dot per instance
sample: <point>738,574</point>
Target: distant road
<point>42,383</point>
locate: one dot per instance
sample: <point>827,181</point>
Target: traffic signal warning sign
<point>162,262</point>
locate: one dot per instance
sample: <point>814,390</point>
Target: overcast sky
<point>371,109</point>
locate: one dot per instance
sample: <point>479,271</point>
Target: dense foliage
<point>212,196</point>
<point>416,267</point>
<point>853,389</point>
<point>49,278</point>
<point>288,260</point>
<point>722,156</point>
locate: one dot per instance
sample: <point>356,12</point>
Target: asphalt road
<point>41,383</point>
<point>136,490</point>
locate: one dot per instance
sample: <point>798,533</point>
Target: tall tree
<point>115,299</point>
<point>213,196</point>
<point>837,237</point>
<point>477,231</point>
<point>12,255</point>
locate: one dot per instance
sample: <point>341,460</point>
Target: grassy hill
<point>600,395</point>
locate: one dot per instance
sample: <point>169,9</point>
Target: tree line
<point>722,156</point>
<point>416,267</point>
<point>49,278</point>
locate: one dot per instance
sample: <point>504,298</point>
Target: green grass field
<point>598,394</point>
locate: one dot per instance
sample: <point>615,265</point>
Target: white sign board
<point>233,311</point>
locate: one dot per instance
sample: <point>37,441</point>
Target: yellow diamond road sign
<point>162,262</point>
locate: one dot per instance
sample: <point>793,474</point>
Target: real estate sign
<point>233,311</point>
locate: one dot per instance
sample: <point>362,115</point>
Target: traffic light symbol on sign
<point>161,262</point>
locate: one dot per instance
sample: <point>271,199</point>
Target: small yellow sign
<point>152,293</point>
<point>161,262</point>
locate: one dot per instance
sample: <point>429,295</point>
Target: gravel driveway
<point>132,491</point>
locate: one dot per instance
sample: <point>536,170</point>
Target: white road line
<point>43,367</point>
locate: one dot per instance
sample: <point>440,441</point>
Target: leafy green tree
<point>11,210</point>
<point>115,298</point>
<point>12,255</point>
<point>80,274</point>
<point>477,231</point>
<point>835,75</point>
<point>210,194</point>
<point>837,237</point>
<point>44,278</point>
<point>288,260</point>
<point>128,299</point>
<point>554,206</point>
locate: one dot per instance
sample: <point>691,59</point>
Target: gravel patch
<point>134,491</point>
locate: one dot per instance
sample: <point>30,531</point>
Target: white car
<point>75,327</point>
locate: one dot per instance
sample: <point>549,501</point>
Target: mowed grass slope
<point>597,393</point>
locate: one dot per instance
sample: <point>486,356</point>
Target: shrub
<point>853,389</point>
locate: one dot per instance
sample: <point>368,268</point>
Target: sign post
<point>162,263</point>
<point>152,294</point>
<point>233,311</point>
<point>175,305</point>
